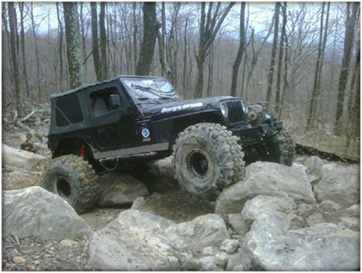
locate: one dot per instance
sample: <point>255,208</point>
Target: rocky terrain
<point>304,217</point>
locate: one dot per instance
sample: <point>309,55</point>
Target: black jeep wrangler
<point>133,119</point>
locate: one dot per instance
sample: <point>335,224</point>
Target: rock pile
<point>304,217</point>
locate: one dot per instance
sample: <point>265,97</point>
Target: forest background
<point>302,58</point>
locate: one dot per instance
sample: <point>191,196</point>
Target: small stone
<point>304,210</point>
<point>229,246</point>
<point>209,251</point>
<point>315,218</point>
<point>349,223</point>
<point>32,268</point>
<point>19,260</point>
<point>67,242</point>
<point>36,262</point>
<point>221,259</point>
<point>239,267</point>
<point>329,206</point>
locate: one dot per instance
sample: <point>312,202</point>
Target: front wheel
<point>207,158</point>
<point>73,179</point>
<point>281,149</point>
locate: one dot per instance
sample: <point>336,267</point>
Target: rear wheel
<point>207,158</point>
<point>73,179</point>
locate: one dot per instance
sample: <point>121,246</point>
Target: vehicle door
<point>113,125</point>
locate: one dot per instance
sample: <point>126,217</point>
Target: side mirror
<point>115,101</point>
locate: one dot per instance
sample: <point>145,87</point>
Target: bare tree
<point>73,39</point>
<point>273,53</point>
<point>103,41</point>
<point>14,56</point>
<point>347,52</point>
<point>239,56</point>
<point>95,46</point>
<point>150,29</point>
<point>25,72</point>
<point>38,69</point>
<point>209,27</point>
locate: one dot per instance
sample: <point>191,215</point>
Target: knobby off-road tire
<point>207,158</point>
<point>73,179</point>
<point>281,149</point>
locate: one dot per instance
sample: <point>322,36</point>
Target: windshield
<point>151,89</point>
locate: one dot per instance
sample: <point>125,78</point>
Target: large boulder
<point>144,241</point>
<point>22,159</point>
<point>264,178</point>
<point>34,211</point>
<point>118,189</point>
<point>341,185</point>
<point>203,231</point>
<point>268,225</point>
<point>320,247</point>
<point>134,241</point>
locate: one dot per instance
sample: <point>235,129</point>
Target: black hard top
<point>84,86</point>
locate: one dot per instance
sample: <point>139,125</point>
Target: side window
<point>68,111</point>
<point>100,101</point>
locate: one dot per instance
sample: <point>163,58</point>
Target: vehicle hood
<point>183,106</point>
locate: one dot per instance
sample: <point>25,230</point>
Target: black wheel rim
<point>64,188</point>
<point>197,164</point>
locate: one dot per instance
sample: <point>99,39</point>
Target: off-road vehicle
<point>133,119</point>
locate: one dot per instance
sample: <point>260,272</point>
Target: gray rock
<point>314,166</point>
<point>315,218</point>
<point>34,211</point>
<point>329,206</point>
<point>207,264</point>
<point>229,246</point>
<point>340,185</point>
<point>354,211</point>
<point>134,241</point>
<point>327,168</point>
<point>238,223</point>
<point>265,178</point>
<point>267,226</point>
<point>239,267</point>
<point>22,159</point>
<point>305,210</point>
<point>316,248</point>
<point>203,231</point>
<point>233,262</point>
<point>164,168</point>
<point>349,223</point>
<point>221,258</point>
<point>256,206</point>
<point>118,189</point>
<point>296,222</point>
<point>209,251</point>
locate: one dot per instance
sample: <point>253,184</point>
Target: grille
<point>235,112</point>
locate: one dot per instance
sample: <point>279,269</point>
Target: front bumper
<point>253,135</point>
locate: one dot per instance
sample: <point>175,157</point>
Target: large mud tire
<point>72,178</point>
<point>281,149</point>
<point>207,158</point>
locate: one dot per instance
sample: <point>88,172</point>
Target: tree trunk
<point>84,63</point>
<point>239,56</point>
<point>73,39</point>
<point>278,104</point>
<point>103,40</point>
<point>14,56</point>
<point>317,77</point>
<point>95,46</point>
<point>273,54</point>
<point>60,24</point>
<point>36,53</point>
<point>209,27</point>
<point>25,72</point>
<point>347,52</point>
<point>135,30</point>
<point>150,29</point>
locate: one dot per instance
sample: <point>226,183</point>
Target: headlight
<point>224,109</point>
<point>245,107</point>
